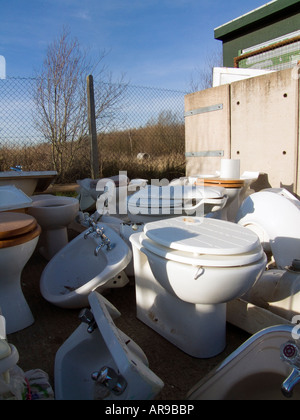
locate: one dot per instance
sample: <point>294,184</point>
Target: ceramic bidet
<point>93,259</point>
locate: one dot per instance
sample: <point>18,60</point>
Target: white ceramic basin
<point>254,371</point>
<point>29,182</point>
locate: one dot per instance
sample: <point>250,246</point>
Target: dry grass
<point>38,158</point>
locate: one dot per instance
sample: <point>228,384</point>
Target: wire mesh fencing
<point>140,130</point>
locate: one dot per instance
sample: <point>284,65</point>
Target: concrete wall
<point>258,124</point>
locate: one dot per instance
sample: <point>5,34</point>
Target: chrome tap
<point>98,233</point>
<point>110,379</point>
<point>88,232</point>
<point>290,354</point>
<point>17,168</point>
<point>87,317</point>
<point>106,242</point>
<point>98,248</point>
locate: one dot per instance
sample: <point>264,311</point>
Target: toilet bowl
<point>19,234</point>
<point>257,370</point>
<point>53,214</point>
<point>99,362</point>
<point>274,215</point>
<point>160,202</point>
<point>94,259</point>
<point>234,188</point>
<point>186,270</point>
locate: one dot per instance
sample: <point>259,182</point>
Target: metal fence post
<point>92,128</point>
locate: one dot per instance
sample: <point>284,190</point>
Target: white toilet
<point>236,190</point>
<point>161,202</point>
<point>186,270</point>
<point>53,214</point>
<point>233,187</point>
<point>19,234</point>
<point>100,362</point>
<point>94,259</point>
<point>257,370</point>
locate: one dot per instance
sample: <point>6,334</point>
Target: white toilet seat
<point>202,241</point>
<point>174,199</point>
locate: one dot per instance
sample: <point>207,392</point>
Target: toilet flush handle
<point>199,273</point>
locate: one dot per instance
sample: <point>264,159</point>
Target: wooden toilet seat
<point>17,229</point>
<point>221,182</point>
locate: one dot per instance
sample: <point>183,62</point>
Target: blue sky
<point>155,43</point>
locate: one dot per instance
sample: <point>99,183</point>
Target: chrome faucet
<point>290,354</point>
<point>98,232</point>
<point>87,317</point>
<point>98,248</point>
<point>17,168</point>
<point>110,379</point>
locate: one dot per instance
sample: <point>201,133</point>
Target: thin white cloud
<point>82,14</point>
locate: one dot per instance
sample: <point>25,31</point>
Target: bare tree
<point>202,77</point>
<point>61,99</point>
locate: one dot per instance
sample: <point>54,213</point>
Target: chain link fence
<point>144,136</point>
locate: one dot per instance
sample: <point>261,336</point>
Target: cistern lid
<point>200,235</point>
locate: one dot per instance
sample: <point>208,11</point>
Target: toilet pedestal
<point>13,304</point>
<point>155,307</point>
<point>52,241</point>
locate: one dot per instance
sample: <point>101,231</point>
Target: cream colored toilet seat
<point>17,229</point>
<point>202,242</point>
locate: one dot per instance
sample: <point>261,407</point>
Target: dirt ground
<point>38,344</point>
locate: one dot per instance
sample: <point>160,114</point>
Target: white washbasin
<point>29,182</point>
